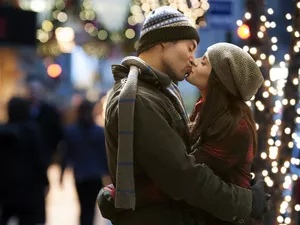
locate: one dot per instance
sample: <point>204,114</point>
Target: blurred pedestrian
<point>85,152</point>
<point>47,116</point>
<point>23,167</point>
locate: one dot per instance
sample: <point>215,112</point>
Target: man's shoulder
<point>147,94</point>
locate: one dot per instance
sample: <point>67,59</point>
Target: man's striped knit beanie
<point>163,25</point>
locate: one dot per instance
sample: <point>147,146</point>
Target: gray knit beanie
<point>165,24</point>
<point>236,69</point>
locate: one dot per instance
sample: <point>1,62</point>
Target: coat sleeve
<point>162,154</point>
<point>231,152</point>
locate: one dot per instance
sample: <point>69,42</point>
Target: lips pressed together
<point>189,71</point>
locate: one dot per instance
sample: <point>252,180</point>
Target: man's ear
<point>164,44</point>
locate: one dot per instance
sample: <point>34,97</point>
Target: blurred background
<point>55,68</point>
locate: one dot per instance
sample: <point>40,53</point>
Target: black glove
<point>261,200</point>
<point>105,201</point>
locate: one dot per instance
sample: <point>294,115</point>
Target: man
<point>147,136</point>
<point>47,117</point>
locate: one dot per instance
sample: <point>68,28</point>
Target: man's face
<point>178,58</point>
<point>36,91</point>
<point>201,73</point>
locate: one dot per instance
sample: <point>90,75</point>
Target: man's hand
<point>106,202</point>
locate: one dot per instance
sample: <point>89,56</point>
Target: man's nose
<point>193,60</point>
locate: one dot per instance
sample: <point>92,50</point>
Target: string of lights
<point>53,35</point>
<point>290,121</point>
<point>281,90</point>
<point>139,9</point>
<point>94,27</point>
<point>52,27</point>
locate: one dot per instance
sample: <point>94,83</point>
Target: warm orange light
<point>243,31</point>
<point>54,70</point>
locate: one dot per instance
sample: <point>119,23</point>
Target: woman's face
<point>200,74</point>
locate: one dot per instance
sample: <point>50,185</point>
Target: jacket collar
<point>147,73</point>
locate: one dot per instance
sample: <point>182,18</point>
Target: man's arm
<point>162,153</point>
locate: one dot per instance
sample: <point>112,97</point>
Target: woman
<point>223,130</point>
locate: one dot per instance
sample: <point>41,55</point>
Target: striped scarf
<point>175,93</point>
<point>125,188</point>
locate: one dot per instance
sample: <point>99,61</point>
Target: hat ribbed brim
<point>166,34</point>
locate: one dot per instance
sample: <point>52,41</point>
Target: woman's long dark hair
<point>219,115</point>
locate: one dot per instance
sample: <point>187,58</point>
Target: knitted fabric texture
<point>125,195</point>
<point>236,69</point>
<point>163,25</point>
<point>125,189</point>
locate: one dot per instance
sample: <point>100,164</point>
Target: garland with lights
<point>47,33</point>
<point>290,140</point>
<point>257,44</point>
<point>101,39</point>
<point>127,36</point>
<point>276,96</point>
<point>95,29</point>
